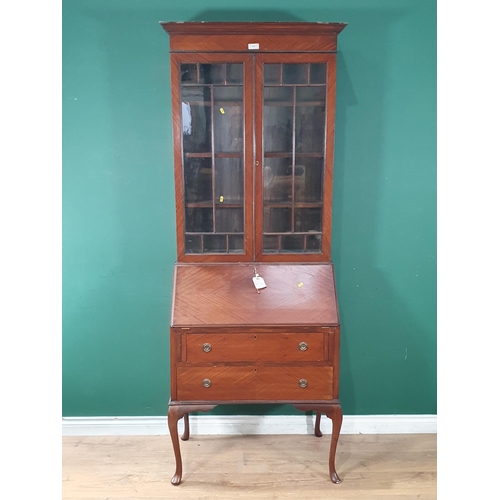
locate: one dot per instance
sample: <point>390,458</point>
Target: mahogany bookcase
<point>253,113</point>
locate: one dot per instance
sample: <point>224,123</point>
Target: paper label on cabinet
<point>253,46</point>
<point>259,282</point>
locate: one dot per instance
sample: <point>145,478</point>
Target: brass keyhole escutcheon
<point>206,382</point>
<point>302,383</point>
<point>303,346</point>
<point>207,347</point>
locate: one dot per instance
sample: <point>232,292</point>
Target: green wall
<point>118,200</point>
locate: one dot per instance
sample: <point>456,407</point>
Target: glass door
<point>213,144</point>
<point>294,156</point>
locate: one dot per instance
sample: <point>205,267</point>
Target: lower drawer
<point>261,383</point>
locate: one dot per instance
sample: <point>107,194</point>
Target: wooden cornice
<point>253,28</point>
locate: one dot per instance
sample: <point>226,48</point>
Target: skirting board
<point>251,424</point>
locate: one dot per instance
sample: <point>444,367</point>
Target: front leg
<point>174,414</point>
<point>333,411</point>
<point>336,415</point>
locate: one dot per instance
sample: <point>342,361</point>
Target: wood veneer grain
<point>225,295</point>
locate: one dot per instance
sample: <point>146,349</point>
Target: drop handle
<point>303,346</point>
<point>302,383</point>
<point>206,382</point>
<point>207,347</point>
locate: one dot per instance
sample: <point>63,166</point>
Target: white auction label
<point>259,282</point>
<point>253,46</point>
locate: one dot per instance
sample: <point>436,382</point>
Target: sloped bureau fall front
<point>253,108</point>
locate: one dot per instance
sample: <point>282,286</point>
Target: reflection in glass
<point>305,94</point>
<point>196,94</point>
<point>192,243</point>
<point>318,73</point>
<point>196,128</point>
<point>292,243</point>
<point>234,73</point>
<point>278,95</point>
<point>189,73</point>
<point>277,220</point>
<point>235,243</point>
<point>294,73</point>
<point>228,129</point>
<point>307,219</point>
<point>229,220</point>
<point>197,180</point>
<point>308,179</point>
<point>228,93</point>
<point>271,244</point>
<point>214,243</point>
<point>310,129</point>
<point>278,128</point>
<point>199,220</point>
<point>313,242</point>
<point>212,73</point>
<point>228,119</point>
<point>229,180</point>
<point>272,73</point>
<point>277,179</point>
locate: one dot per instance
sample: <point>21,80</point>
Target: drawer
<point>266,347</point>
<point>257,383</point>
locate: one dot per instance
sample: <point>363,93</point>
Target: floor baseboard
<point>249,424</point>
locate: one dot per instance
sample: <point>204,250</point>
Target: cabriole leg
<point>336,415</point>
<point>334,412</point>
<point>174,414</point>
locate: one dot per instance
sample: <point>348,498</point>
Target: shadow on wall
<point>384,344</point>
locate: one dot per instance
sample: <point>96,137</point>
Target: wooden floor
<point>263,467</point>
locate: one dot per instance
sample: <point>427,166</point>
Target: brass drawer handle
<point>206,382</point>
<point>303,346</point>
<point>302,382</point>
<point>207,347</point>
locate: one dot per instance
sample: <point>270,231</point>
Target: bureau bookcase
<point>253,109</point>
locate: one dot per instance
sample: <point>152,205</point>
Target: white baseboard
<point>251,424</point>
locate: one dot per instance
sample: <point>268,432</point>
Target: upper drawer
<point>272,347</point>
